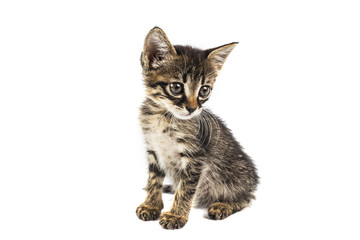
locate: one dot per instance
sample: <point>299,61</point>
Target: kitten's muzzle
<point>190,109</point>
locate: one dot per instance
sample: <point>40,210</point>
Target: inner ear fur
<point>217,56</point>
<point>157,49</point>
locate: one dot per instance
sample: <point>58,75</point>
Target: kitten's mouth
<point>182,113</point>
<point>186,116</point>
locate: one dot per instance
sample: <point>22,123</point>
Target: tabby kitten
<point>186,142</point>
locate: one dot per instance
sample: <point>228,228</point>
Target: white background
<point>72,158</point>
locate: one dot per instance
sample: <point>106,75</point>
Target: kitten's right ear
<point>157,49</point>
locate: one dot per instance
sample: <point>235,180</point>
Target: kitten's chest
<point>162,140</point>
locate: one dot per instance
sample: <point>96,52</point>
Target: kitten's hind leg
<point>221,210</point>
<point>168,189</point>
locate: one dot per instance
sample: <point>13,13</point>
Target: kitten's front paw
<point>218,211</point>
<point>172,221</point>
<point>147,213</point>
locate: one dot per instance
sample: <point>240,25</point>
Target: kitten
<point>186,142</point>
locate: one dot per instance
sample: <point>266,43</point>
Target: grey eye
<point>176,88</point>
<point>204,91</point>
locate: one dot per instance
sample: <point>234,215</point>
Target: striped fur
<point>186,142</point>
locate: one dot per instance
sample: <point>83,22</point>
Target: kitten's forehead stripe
<point>184,77</point>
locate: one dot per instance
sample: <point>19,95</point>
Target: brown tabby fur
<point>186,142</point>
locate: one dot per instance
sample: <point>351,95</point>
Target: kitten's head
<point>180,78</point>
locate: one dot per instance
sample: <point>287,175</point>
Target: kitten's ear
<point>217,56</point>
<point>157,49</point>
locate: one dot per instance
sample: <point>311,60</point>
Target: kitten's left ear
<point>217,56</point>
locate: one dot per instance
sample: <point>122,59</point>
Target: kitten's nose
<point>191,110</point>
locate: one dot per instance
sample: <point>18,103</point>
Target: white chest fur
<point>166,148</point>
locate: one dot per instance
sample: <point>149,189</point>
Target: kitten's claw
<point>147,213</point>
<point>172,221</point>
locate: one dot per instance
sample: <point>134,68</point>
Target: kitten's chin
<point>183,116</point>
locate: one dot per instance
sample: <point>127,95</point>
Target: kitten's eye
<point>176,88</point>
<point>204,91</point>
